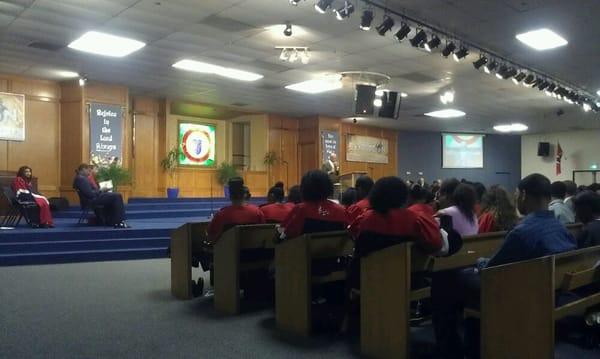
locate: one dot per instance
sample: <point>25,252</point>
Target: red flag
<point>559,155</point>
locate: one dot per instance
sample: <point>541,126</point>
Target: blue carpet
<point>151,221</point>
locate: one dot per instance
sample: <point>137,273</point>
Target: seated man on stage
<point>275,211</point>
<point>23,190</point>
<point>113,211</point>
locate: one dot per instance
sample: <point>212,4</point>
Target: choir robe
<point>19,184</point>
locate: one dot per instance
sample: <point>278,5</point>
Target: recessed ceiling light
<point>106,44</point>
<point>447,113</point>
<point>279,29</point>
<point>203,67</point>
<point>379,93</point>
<point>598,92</point>
<point>513,127</point>
<point>542,39</point>
<point>66,74</point>
<point>403,94</point>
<point>377,102</point>
<point>316,86</point>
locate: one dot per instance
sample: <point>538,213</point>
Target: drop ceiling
<point>232,33</point>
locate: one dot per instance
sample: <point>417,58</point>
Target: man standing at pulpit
<point>332,168</point>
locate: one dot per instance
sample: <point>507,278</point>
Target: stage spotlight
<point>529,80</point>
<point>288,29</point>
<point>489,67</point>
<point>551,88</point>
<point>480,62</point>
<point>501,71</point>
<point>323,5</point>
<point>295,2</point>
<point>82,81</point>
<point>403,32</point>
<point>543,85</point>
<point>366,19</point>
<point>450,47</point>
<point>433,43</point>
<point>419,38</point>
<point>509,73</point>
<point>587,107</point>
<point>460,54</point>
<point>385,26</point>
<point>345,11</point>
<point>518,78</point>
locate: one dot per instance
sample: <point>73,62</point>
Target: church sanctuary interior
<point>299,179</point>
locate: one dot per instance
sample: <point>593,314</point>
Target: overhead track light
<point>450,47</point>
<point>480,62</point>
<point>82,81</point>
<point>323,5</point>
<point>366,19</point>
<point>529,80</point>
<point>403,32</point>
<point>385,26</point>
<point>433,43</point>
<point>518,78</point>
<point>418,39</point>
<point>543,85</point>
<point>510,72</point>
<point>488,68</point>
<point>295,2</point>
<point>501,71</point>
<point>345,11</point>
<point>288,29</point>
<point>461,54</point>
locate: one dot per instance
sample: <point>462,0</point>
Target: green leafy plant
<point>225,172</point>
<point>270,158</point>
<point>115,173</point>
<point>169,163</point>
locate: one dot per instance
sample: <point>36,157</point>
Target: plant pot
<point>172,193</point>
<point>226,191</point>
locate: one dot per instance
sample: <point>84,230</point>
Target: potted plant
<point>115,173</point>
<point>225,172</point>
<point>269,160</point>
<point>169,165</point>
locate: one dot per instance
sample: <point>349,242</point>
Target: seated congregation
<point>451,220</point>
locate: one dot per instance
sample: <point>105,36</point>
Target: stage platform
<point>151,221</point>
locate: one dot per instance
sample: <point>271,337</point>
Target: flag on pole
<point>559,154</point>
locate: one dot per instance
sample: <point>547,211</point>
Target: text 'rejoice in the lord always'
<point>105,130</point>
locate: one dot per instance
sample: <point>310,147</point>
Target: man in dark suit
<point>114,210</point>
<point>332,168</point>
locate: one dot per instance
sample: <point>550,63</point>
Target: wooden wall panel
<point>283,140</point>
<point>308,143</point>
<point>145,161</point>
<point>194,182</point>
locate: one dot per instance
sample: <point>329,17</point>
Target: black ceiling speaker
<point>363,102</point>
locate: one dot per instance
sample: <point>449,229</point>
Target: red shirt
<point>20,183</point>
<point>310,217</point>
<point>291,205</point>
<point>231,216</point>
<point>423,209</point>
<point>358,208</point>
<point>275,212</point>
<point>487,223</point>
<point>401,222</point>
<point>93,182</point>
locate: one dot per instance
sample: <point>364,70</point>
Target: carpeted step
<point>82,245</point>
<point>81,256</point>
<point>180,200</point>
<point>88,233</point>
<point>158,213</point>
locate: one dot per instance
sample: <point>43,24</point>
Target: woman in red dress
<point>21,186</point>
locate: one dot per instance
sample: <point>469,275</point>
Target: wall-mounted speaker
<point>544,149</point>
<point>365,95</point>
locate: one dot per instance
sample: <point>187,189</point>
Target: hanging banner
<point>106,134</point>
<point>197,143</point>
<point>12,117</point>
<point>330,144</point>
<point>367,149</point>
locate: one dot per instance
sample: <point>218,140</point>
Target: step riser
<point>83,246</point>
<point>104,233</point>
<point>146,215</point>
<point>81,257</point>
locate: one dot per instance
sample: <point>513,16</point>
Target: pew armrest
<point>578,279</point>
<point>577,307</point>
<point>331,277</point>
<point>421,293</point>
<point>472,313</point>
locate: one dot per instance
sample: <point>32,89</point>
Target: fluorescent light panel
<point>66,74</point>
<point>316,86</point>
<point>513,127</point>
<point>206,68</point>
<point>542,39</point>
<point>100,43</point>
<point>447,113</point>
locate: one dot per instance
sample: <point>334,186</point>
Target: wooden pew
<point>227,264</point>
<point>183,242</point>
<point>294,279</point>
<point>518,302</point>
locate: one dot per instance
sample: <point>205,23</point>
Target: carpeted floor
<point>125,310</point>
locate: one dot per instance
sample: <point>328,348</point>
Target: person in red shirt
<point>498,212</point>
<point>238,213</point>
<point>421,201</point>
<point>363,185</point>
<point>275,211</point>
<point>23,189</point>
<point>316,213</point>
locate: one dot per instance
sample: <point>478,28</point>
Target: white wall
<point>581,149</point>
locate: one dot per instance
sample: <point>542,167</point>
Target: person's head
<point>316,186</point>
<point>279,184</point>
<point>534,192</point>
<point>363,185</point>
<point>275,195</point>
<point>25,172</point>
<point>294,195</point>
<point>446,192</point>
<point>83,169</point>
<point>595,187</point>
<point>417,194</point>
<point>558,190</point>
<point>587,206</point>
<point>349,197</point>
<point>237,190</point>
<point>479,189</point>
<point>581,188</point>
<point>465,197</point>
<point>499,201</point>
<point>388,193</point>
<point>571,188</point>
<point>333,157</point>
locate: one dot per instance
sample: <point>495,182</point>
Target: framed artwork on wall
<point>12,117</point>
<point>197,144</point>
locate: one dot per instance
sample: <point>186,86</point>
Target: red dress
<point>20,184</point>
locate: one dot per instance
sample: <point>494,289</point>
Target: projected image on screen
<point>462,150</point>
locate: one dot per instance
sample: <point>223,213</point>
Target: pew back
<point>184,240</point>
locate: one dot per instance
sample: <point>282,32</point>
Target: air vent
<point>226,24</point>
<point>239,104</point>
<point>417,77</point>
<point>45,46</point>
